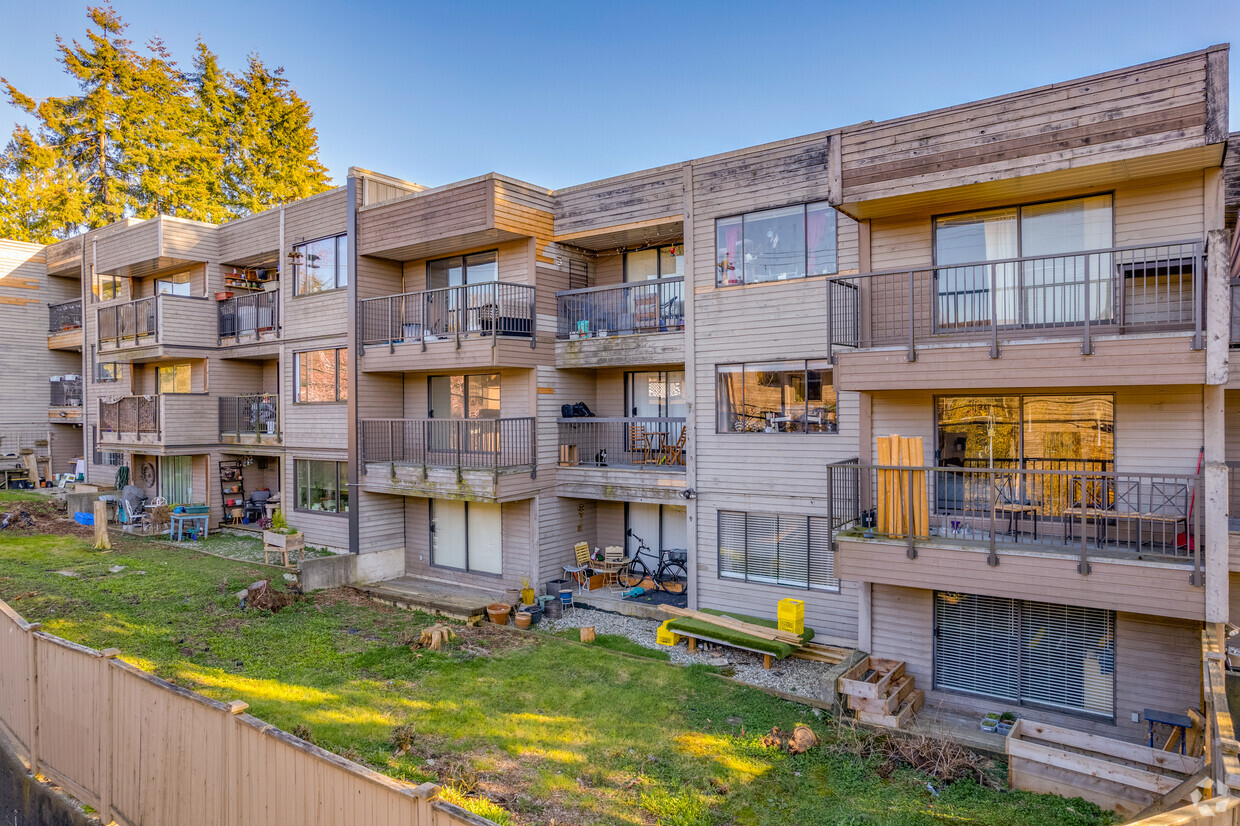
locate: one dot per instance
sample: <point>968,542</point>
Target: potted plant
<point>991,721</point>
<point>283,535</point>
<point>527,591</point>
<point>1007,721</point>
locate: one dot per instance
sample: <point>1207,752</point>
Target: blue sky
<point>559,93</point>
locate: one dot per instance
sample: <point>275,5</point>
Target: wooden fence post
<point>102,542</point>
<point>425,793</point>
<point>230,776</point>
<point>33,690</point>
<point>107,756</point>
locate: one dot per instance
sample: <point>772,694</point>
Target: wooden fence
<point>144,752</point>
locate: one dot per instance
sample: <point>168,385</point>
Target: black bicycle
<point>671,574</point>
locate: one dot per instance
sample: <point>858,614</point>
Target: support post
<point>231,768</point>
<point>1082,567</point>
<point>102,541</point>
<point>107,756</point>
<point>32,687</point>
<point>424,794</point>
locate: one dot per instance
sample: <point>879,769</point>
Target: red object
<point>223,295</point>
<point>1189,541</point>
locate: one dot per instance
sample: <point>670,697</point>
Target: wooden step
<point>905,713</point>
<point>885,705</point>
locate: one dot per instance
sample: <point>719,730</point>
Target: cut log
<point>102,541</point>
<point>587,633</point>
<point>435,637</point>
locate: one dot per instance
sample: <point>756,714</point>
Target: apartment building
<point>1036,286</point>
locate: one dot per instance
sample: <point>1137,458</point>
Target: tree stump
<point>587,633</point>
<point>435,637</point>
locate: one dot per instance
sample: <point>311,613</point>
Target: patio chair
<point>615,563</point>
<point>640,442</point>
<point>578,572</point>
<point>136,517</point>
<point>674,454</point>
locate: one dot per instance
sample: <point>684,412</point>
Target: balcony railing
<point>622,310</point>
<point>1123,290</point>
<point>494,308</point>
<point>129,416</point>
<point>649,443</point>
<point>66,391</point>
<point>132,320</point>
<point>64,316</point>
<point>1084,513</point>
<point>466,444</point>
<point>249,315</point>
<point>255,415</point>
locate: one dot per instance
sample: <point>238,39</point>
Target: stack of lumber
<point>902,505</point>
<point>751,634</point>
<point>814,652</point>
<point>880,693</point>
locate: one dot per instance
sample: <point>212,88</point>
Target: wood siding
<point>636,197</point>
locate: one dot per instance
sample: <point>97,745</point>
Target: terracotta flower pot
<point>523,619</point>
<point>497,612</point>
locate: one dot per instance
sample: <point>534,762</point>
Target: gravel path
<point>800,677</point>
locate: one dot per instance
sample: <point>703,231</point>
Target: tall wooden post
<point>32,688</point>
<point>107,754</point>
<point>230,804</point>
<point>102,541</point>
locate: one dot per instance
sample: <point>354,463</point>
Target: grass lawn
<point>547,729</point>
<point>245,547</point>
<point>22,496</point>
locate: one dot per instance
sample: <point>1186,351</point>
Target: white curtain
<point>485,538</point>
<point>675,526</point>
<point>448,533</point>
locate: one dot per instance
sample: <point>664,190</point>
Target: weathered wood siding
<point>422,217</point>
<point>638,196</point>
<point>517,554</point>
<point>252,237</point>
<point>120,250</point>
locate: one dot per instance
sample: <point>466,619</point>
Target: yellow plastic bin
<point>792,616</point>
<point>666,636</point>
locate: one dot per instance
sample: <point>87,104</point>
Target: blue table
<point>1168,718</point>
<point>176,530</point>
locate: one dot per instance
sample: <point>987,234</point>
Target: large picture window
<point>466,536</point>
<point>322,375</point>
<point>777,549</point>
<point>174,378</point>
<point>320,266</point>
<point>654,262</point>
<point>775,245</point>
<point>1037,653</point>
<point>459,270</point>
<point>1036,432</point>
<point>776,397</point>
<point>322,486</point>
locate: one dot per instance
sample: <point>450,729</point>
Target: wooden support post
<point>32,735</point>
<point>106,755</point>
<point>231,757</point>
<point>766,661</point>
<point>102,542</point>
<point>692,644</point>
<point>424,794</point>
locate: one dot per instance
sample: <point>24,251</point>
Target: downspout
<point>351,292</point>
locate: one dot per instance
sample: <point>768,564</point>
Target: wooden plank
<point>1134,752</point>
<point>1091,766</point>
<point>1031,776</point>
<point>1173,798</point>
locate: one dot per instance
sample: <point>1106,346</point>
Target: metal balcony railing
<point>493,308</point>
<point>649,443</point>
<point>622,310</point>
<point>249,315</point>
<point>257,415</point>
<point>64,316</point>
<point>1122,290</point>
<point>465,444</point>
<point>129,416</point>
<point>129,321</point>
<point>66,391</point>
<point>1084,513</point>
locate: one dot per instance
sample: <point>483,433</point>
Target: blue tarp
<point>84,518</point>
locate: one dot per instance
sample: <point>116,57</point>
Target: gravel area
<point>800,677</point>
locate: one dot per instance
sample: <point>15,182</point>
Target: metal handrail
<point>636,307</point>
<point>1146,287</point>
<point>257,413</point>
<point>492,308</point>
<point>129,320</point>
<point>464,444</point>
<point>66,392</point>
<point>645,442</point>
<point>66,315</point>
<point>248,315</point>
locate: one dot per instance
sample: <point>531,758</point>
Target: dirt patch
<point>486,638</point>
<point>265,598</point>
<point>43,518</point>
<point>334,597</point>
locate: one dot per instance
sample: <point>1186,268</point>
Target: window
<point>661,527</point>
<point>1040,293</point>
<point>776,397</point>
<point>654,262</point>
<point>464,397</point>
<point>107,458</point>
<point>656,394</point>
<point>1031,432</point>
<point>104,371</point>
<point>173,285</point>
<point>466,536</point>
<point>322,375</point>
<point>319,266</point>
<point>174,378</point>
<point>322,486</point>
<point>106,287</point>
<point>777,549</point>
<point>775,245</point>
<point>462,269</point>
<point>1037,653</point>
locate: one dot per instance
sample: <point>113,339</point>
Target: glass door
<point>176,479</point>
<point>656,394</point>
<point>473,403</point>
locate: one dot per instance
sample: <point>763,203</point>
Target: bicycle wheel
<point>673,578</point>
<point>636,574</point>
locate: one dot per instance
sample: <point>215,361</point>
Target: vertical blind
<point>777,549</point>
<point>1062,656</point>
<point>466,536</point>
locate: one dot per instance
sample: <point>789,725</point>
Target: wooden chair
<point>640,442</point>
<point>674,454</point>
<point>614,564</point>
<point>578,572</point>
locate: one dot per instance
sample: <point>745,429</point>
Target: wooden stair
<point>880,693</point>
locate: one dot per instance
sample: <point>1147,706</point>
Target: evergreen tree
<point>41,198</point>
<point>211,118</point>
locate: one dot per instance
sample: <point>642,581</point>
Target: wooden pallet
<point>871,678</point>
<point>880,693</point>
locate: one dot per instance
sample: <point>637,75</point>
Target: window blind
<point>776,549</point>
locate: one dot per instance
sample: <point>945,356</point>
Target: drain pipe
<point>354,450</point>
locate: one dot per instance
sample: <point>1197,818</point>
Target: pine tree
<point>41,198</point>
<point>211,118</point>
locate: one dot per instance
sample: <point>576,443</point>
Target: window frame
<point>430,534</point>
<point>462,257</point>
<point>342,389</point>
<point>658,258</point>
<point>98,373</point>
<point>1020,241</point>
<point>342,480</point>
<point>342,266</point>
<point>804,205</point>
<point>805,370</point>
<point>834,583</point>
<point>96,287</point>
<point>1020,422</point>
<point>176,367</point>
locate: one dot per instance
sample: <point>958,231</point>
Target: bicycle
<point>671,574</point>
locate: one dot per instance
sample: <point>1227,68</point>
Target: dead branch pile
<point>941,758</point>
<point>265,598</point>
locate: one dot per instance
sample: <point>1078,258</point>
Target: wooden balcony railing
<point>1122,290</point>
<point>646,443</point>
<point>129,416</point>
<point>1085,513</point>
<point>254,415</point>
<point>623,309</point>
<point>493,309</point>
<point>465,444</point>
<point>130,321</point>
<point>249,315</point>
<point>64,316</point>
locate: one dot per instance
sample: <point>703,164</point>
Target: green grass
<point>245,547</point>
<point>22,496</point>
<point>549,730</point>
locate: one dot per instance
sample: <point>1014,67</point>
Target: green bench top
<point>693,627</point>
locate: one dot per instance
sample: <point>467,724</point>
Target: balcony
<point>629,459</point>
<point>64,326</point>
<point>476,325</point>
<point>1072,311</point>
<point>65,401</point>
<point>152,422</point>
<point>157,327</point>
<point>249,318</point>
<point>628,324</point>
<point>1073,534</point>
<point>478,459</point>
<point>250,420</point>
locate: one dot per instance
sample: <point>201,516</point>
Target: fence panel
<point>15,677</point>
<point>71,715</point>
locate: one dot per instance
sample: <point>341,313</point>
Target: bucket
<point>552,610</point>
<point>535,611</point>
<point>497,612</point>
<point>524,619</point>
<point>554,586</point>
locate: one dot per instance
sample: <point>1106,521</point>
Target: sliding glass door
<point>472,398</point>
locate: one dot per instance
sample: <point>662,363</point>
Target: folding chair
<point>674,453</point>
<point>614,564</point>
<point>578,572</point>
<point>639,442</point>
